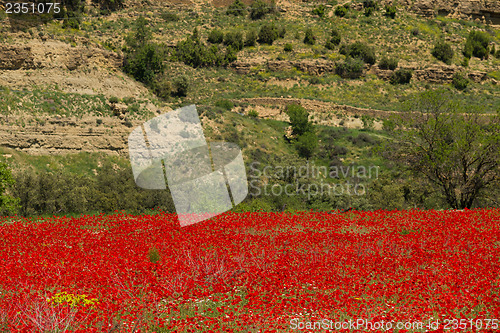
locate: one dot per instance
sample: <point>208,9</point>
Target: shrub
<point>288,47</point>
<point>224,104</point>
<point>109,5</point>
<point>390,11</point>
<point>415,31</point>
<point>320,10</point>
<point>309,38</point>
<point>169,17</point>
<point>259,9</point>
<point>231,55</point>
<point>402,76</point>
<point>369,11</point>
<point>465,62</point>
<point>477,45</point>
<point>181,86</point>
<point>268,34</point>
<point>196,54</point>
<point>113,99</point>
<point>251,38</point>
<point>460,82</point>
<point>216,36</point>
<point>334,40</point>
<point>306,144</point>
<point>341,11</point>
<point>314,80</point>
<point>253,113</point>
<point>237,8</point>
<point>163,87</point>
<point>234,39</point>
<point>144,63</point>
<point>299,119</point>
<point>388,63</point>
<point>359,50</point>
<point>443,51</point>
<point>350,68</point>
<point>282,32</point>
<point>370,4</point>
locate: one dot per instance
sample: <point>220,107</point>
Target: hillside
<point>65,90</point>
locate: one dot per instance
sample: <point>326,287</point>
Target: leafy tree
<point>234,39</point>
<point>477,45</point>
<point>443,51</point>
<point>144,63</point>
<point>309,37</point>
<point>299,119</point>
<point>259,9</point>
<point>268,34</point>
<point>335,39</point>
<point>306,144</point>
<point>401,76</point>
<point>140,35</point>
<point>351,68</point>
<point>9,205</point>
<point>450,145</point>
<point>460,81</point>
<point>237,8</point>
<point>359,50</point>
<point>341,11</point>
<point>251,38</point>
<point>388,63</point>
<point>216,36</point>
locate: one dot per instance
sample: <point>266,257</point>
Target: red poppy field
<point>399,271</point>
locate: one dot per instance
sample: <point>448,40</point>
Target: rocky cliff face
<point>88,69</point>
<point>483,10</point>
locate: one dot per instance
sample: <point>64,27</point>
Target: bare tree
<point>456,147</point>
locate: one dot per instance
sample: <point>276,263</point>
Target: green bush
<point>443,51</point>
<point>110,5</point>
<point>282,32</point>
<point>341,11</point>
<point>288,47</point>
<point>259,9</point>
<point>309,37</point>
<point>351,68</point>
<point>169,17</point>
<point>335,39</point>
<point>196,54</point>
<point>390,11</point>
<point>299,119</point>
<point>477,45</point>
<point>460,81</point>
<point>234,39</point>
<point>237,8</point>
<point>388,63</point>
<point>370,4</point>
<point>359,50</point>
<point>320,11</point>
<point>181,86</point>
<point>251,38</point>
<point>163,87</point>
<point>268,34</point>
<point>224,104</point>
<point>253,113</point>
<point>144,63</point>
<point>216,36</point>
<point>113,99</point>
<point>306,144</point>
<point>369,11</point>
<point>401,76</point>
